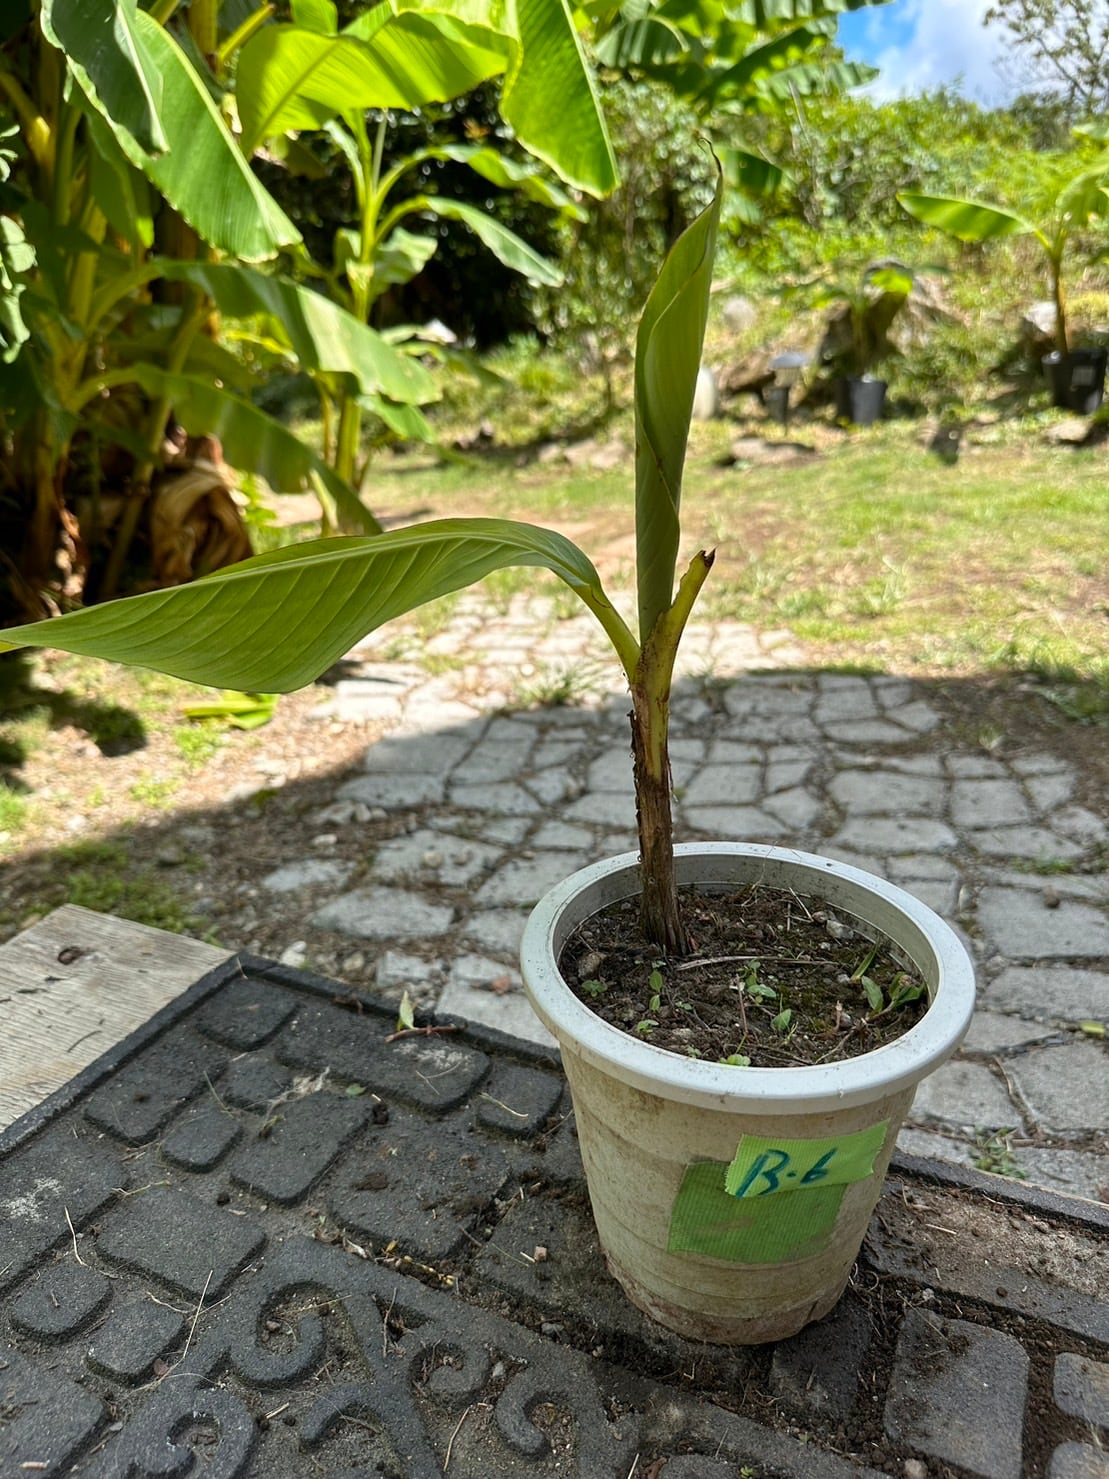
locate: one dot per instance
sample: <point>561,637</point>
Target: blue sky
<point>921,43</point>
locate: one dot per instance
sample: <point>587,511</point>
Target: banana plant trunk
<point>660,916</point>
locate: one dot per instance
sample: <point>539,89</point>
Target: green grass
<point>872,554</point>
<point>97,876</point>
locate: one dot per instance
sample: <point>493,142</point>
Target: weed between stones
<point>777,981</point>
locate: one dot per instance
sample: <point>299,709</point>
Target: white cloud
<point>945,42</point>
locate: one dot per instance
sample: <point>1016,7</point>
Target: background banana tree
<point>134,226</point>
<point>310,75</point>
<point>729,60</point>
<point>275,622</point>
<point>1078,199</point>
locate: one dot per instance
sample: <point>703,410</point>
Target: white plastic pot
<point>731,1202</point>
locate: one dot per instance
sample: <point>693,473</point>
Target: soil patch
<point>776,980</point>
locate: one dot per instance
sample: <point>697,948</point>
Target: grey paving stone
<point>524,880</point>
<point>603,808</point>
<point>179,1240</point>
<point>418,754</point>
<point>434,857</point>
<point>1066,1087</point>
<point>1035,843</point>
<point>868,732</point>
<point>502,830</point>
<point>988,803</point>
<point>397,970</point>
<point>612,772</point>
<point>895,834</point>
<point>504,798</point>
<point>497,930</point>
<point>1079,1173</point>
<point>936,1147</point>
<point>1021,929</point>
<point>939,896</point>
<point>550,786</point>
<point>1078,1461</point>
<point>1049,791</point>
<point>394,791</point>
<point>307,873</point>
<point>957,1393</point>
<point>480,973</point>
<point>563,834</point>
<point>919,716</point>
<point>784,775</point>
<point>992,1032</point>
<point>965,1095</point>
<point>1049,993</point>
<point>729,785</point>
<point>1084,826</point>
<point>491,761</point>
<point>922,865</point>
<point>510,1013</point>
<point>852,701</point>
<point>735,823</point>
<point>976,765</point>
<point>797,808</point>
<point>881,793</point>
<point>1082,1388</point>
<point>383,914</point>
<point>1082,886</point>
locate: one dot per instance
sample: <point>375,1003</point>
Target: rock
<point>706,396</point>
<point>739,313</point>
<point>294,955</point>
<point>1072,432</point>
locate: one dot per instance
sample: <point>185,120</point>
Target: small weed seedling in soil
<point>776,981</point>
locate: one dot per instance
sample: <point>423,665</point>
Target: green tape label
<point>767,1168</point>
<point>781,1229</point>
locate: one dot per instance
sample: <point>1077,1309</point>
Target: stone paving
<point>262,1239</point>
<point>492,805</point>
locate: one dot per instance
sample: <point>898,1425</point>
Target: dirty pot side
<point>731,1202</point>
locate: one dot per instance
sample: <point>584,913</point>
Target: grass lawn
<point>870,550</point>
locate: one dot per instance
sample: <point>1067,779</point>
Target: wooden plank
<point>76,983</point>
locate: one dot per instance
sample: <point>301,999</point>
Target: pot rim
<point>932,945</point>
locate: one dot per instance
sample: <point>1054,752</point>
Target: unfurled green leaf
<point>104,44</point>
<point>969,220</point>
<point>874,997</point>
<point>406,1013</point>
<point>667,359</point>
<point>322,335</point>
<point>275,622</point>
<point>202,172</point>
<point>505,245</point>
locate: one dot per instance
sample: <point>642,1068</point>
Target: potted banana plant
<point>1076,375</point>
<point>731,1200</point>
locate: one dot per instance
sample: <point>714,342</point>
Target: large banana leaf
<point>667,358</point>
<point>763,13</point>
<point>251,440</point>
<point>505,245</point>
<point>102,40</point>
<point>203,173</point>
<point>509,174</point>
<point>290,77</point>
<point>274,623</point>
<point>551,101</point>
<point>322,335</point>
<point>969,220</point>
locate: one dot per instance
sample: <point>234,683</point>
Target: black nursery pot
<point>1077,379</point>
<point>860,399</point>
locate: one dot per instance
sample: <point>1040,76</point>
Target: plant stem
<point>660,915</point>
